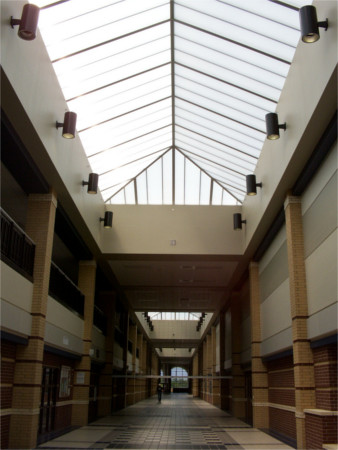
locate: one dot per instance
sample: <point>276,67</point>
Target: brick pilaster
<point>195,373</point>
<point>302,353</point>
<point>86,284</point>
<point>108,301</point>
<point>28,368</point>
<point>238,380</point>
<point>216,399</point>
<point>260,391</point>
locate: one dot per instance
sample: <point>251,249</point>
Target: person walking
<point>159,392</point>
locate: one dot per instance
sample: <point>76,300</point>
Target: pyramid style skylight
<point>171,96</point>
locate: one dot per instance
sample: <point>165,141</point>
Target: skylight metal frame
<point>213,61</point>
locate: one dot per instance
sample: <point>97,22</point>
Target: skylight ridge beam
<point>269,55</point>
<point>51,5</point>
<point>218,142</point>
<point>125,114</point>
<point>129,140</point>
<point>78,52</point>
<point>172,64</point>
<point>224,116</point>
<point>206,173</point>
<point>258,15</point>
<point>116,82</point>
<point>227,82</point>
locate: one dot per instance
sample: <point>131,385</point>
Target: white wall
<point>64,329</point>
<point>319,208</point>
<point>275,297</point>
<point>16,301</point>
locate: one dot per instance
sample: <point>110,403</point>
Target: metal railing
<point>17,249</point>
<point>62,289</point>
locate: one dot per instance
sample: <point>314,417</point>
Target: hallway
<point>178,422</point>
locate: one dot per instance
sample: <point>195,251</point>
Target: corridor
<point>180,421</point>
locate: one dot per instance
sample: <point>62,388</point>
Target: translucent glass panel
<point>171,119</point>
<point>174,316</point>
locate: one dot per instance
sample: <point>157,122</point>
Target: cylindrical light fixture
<point>251,185</point>
<point>238,221</point>
<point>309,24</point>
<point>107,220</point>
<point>272,126</point>
<point>28,23</point>
<point>92,183</point>
<point>69,125</point>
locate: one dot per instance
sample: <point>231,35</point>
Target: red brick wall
<point>282,392</point>
<point>325,364</point>
<point>320,430</point>
<point>8,354</point>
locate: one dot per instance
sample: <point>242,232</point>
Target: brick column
<point>302,353</point>
<point>86,284</point>
<point>28,368</point>
<point>107,304</point>
<point>195,373</point>
<point>216,400</point>
<point>238,381</point>
<point>260,390</point>
<point>209,367</point>
<point>223,382</point>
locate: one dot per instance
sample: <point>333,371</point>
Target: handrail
<point>17,248</point>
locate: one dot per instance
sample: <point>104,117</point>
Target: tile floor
<point>178,422</point>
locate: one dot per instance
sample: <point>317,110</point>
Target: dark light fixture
<point>28,23</point>
<point>107,219</point>
<point>272,126</point>
<point>92,183</point>
<point>238,221</point>
<point>309,24</point>
<point>69,125</point>
<point>251,185</point>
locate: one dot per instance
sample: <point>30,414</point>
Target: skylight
<point>171,96</point>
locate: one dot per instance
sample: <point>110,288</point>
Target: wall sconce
<point>107,220</point>
<point>28,23</point>
<point>69,125</point>
<point>92,183</point>
<point>272,126</point>
<point>309,24</point>
<point>251,185</point>
<point>238,221</point>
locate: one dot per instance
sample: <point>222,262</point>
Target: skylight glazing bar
<point>222,115</point>
<point>215,181</point>
<point>124,114</point>
<point>218,142</point>
<point>70,55</point>
<point>226,82</point>
<point>129,140</point>
<point>116,82</point>
<point>235,42</point>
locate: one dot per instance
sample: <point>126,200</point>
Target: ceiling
<point>171,98</point>
<point>171,95</point>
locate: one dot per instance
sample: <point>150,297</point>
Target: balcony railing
<point>100,320</point>
<point>62,289</point>
<point>17,249</point>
